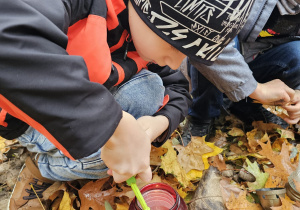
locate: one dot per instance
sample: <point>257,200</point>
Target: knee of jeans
<point>142,95</point>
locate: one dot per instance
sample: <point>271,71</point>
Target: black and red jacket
<point>58,59</point>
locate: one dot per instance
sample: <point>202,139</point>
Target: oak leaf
<point>277,110</point>
<point>281,161</point>
<point>288,134</point>
<point>254,137</point>
<point>190,157</point>
<point>92,196</point>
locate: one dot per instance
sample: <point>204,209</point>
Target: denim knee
<point>142,95</point>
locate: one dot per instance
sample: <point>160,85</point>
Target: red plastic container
<point>159,196</point>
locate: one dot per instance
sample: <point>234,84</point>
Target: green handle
<point>132,183</point>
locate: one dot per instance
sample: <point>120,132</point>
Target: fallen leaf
<point>216,151</point>
<point>266,127</point>
<point>288,134</point>
<point>241,203</point>
<point>227,187</point>
<point>254,137</point>
<point>219,139</point>
<point>282,164</point>
<point>181,193</point>
<point>286,205</point>
<point>218,162</point>
<point>190,157</point>
<point>194,174</point>
<point>274,182</point>
<point>236,132</point>
<point>277,110</point>
<point>123,206</point>
<point>65,203</point>
<point>156,153</point>
<point>91,195</point>
<point>261,177</point>
<point>171,165</point>
<point>277,144</point>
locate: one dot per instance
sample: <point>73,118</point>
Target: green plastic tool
<point>132,183</point>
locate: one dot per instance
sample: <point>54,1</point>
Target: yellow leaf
<point>65,204</point>
<point>194,174</point>
<point>123,206</point>
<point>182,193</point>
<point>216,151</point>
<point>170,165</point>
<point>190,157</point>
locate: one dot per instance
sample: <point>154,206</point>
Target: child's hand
<point>127,152</point>
<point>293,109</point>
<point>154,126</point>
<point>274,93</point>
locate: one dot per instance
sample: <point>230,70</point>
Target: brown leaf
<point>274,182</point>
<point>241,203</point>
<point>156,153</point>
<point>277,110</point>
<point>254,137</point>
<point>286,205</point>
<point>91,195</point>
<point>218,162</point>
<point>267,127</point>
<point>236,132</point>
<point>190,157</point>
<point>219,139</point>
<point>282,164</point>
<point>228,187</point>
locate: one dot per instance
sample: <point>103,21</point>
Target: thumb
<point>146,176</point>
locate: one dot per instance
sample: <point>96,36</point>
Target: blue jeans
<point>140,96</point>
<point>281,62</point>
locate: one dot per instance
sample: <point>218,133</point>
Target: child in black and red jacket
<point>74,71</point>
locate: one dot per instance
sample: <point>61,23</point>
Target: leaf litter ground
<point>241,161</point>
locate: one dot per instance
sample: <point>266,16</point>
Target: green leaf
<point>261,178</point>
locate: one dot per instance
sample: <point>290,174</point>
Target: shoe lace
<point>38,188</point>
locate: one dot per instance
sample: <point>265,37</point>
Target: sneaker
<point>249,112</point>
<point>23,197</point>
<point>194,127</point>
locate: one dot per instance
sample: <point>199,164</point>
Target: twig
<point>37,196</point>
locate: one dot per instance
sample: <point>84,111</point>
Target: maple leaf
<point>190,157</point>
<point>282,164</point>
<point>241,202</point>
<point>261,177</point>
<point>254,137</point>
<point>170,165</point>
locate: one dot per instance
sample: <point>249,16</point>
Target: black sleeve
<point>44,86</point>
<point>177,88</point>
